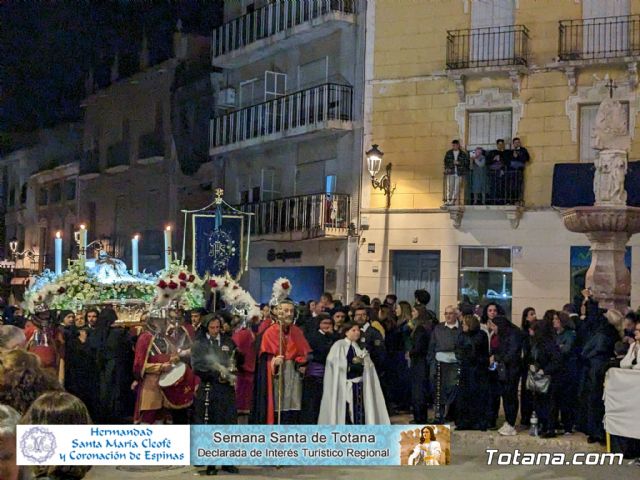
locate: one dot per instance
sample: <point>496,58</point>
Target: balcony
<point>498,190</point>
<point>89,165</point>
<point>118,157</point>
<point>151,148</point>
<point>599,40</point>
<point>302,217</point>
<point>278,26</point>
<point>488,48</point>
<point>320,110</point>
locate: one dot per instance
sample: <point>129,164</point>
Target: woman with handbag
<point>544,365</point>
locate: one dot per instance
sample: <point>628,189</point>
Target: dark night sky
<point>47,49</point>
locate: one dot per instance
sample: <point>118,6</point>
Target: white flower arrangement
<point>240,301</point>
<point>75,287</point>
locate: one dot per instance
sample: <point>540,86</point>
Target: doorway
<point>413,270</point>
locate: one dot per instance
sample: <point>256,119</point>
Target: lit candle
<point>83,243</point>
<point>58,252</point>
<point>168,250</point>
<point>134,254</point>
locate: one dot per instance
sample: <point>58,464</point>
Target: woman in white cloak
<point>428,451</point>
<point>351,393</point>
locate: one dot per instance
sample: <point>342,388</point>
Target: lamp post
<point>374,162</point>
<point>15,254</point>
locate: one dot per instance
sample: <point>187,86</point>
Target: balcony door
<point>492,42</point>
<point>605,37</point>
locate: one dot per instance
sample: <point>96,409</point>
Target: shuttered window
<point>486,127</point>
<point>490,44</point>
<point>605,36</point>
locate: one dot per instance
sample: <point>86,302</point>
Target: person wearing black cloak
<point>320,342</point>
<point>213,358</point>
<point>472,351</point>
<point>80,367</point>
<point>113,348</point>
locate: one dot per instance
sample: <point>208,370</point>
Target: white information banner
<point>103,445</point>
<point>622,409</point>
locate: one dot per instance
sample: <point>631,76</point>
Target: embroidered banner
<point>218,251</point>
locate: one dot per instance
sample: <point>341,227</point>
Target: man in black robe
<point>320,342</point>
<point>213,360</point>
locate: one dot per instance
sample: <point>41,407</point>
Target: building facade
<point>479,71</point>
<point>39,193</point>
<point>142,162</point>
<point>288,129</point>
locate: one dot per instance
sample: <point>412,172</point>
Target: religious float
<point>220,250</point>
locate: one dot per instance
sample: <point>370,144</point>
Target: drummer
<point>214,359</point>
<point>155,355</point>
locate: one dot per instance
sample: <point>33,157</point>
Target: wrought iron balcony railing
<point>312,214</point>
<point>118,155</point>
<point>151,145</point>
<point>90,163</point>
<point>486,187</point>
<point>305,108</point>
<point>599,38</point>
<point>487,47</point>
<point>271,19</point>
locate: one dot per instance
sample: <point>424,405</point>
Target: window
<point>12,197</point>
<point>43,196</point>
<point>23,193</point>
<point>587,121</point>
<point>244,197</point>
<point>605,37</point>
<point>275,85</point>
<point>486,127</point>
<point>255,194</point>
<point>486,276</point>
<point>268,187</point>
<point>247,92</point>
<point>56,193</point>
<point>313,73</point>
<point>330,184</point>
<point>70,190</point>
<point>492,44</point>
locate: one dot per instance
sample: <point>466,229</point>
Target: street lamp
<point>15,254</point>
<point>374,162</point>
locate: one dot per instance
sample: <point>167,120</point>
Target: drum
<point>179,386</point>
<point>173,376</point>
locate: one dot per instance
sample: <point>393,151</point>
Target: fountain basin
<point>602,219</point>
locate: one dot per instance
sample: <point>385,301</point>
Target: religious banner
<point>218,244</point>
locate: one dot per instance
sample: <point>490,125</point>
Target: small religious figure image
<point>429,445</point>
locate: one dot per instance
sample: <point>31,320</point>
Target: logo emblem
<point>222,249</point>
<point>38,444</point>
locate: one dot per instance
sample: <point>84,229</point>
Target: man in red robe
<point>282,360</point>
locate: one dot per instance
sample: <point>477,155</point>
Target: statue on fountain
<point>610,135</point>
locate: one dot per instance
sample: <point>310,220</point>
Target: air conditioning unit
<point>226,97</point>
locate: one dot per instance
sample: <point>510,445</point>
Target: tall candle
<point>83,243</point>
<point>168,250</point>
<point>58,252</point>
<point>134,254</point>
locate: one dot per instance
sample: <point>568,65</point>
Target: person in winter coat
<point>544,360</point>
<point>506,351</point>
<point>597,351</point>
<point>564,394</point>
<point>472,352</point>
<point>420,335</point>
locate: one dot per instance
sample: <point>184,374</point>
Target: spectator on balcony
<point>497,161</point>
<point>515,175</point>
<point>478,177</point>
<point>456,165</point>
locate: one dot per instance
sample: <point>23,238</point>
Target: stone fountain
<point>609,223</point>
